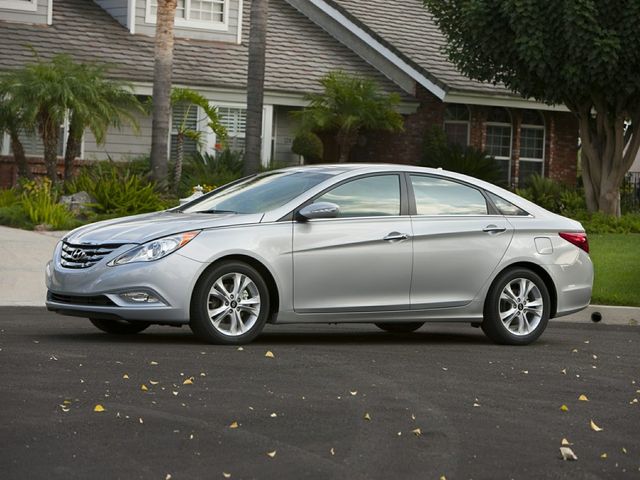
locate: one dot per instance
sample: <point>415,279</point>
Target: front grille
<point>84,256</point>
<point>100,300</point>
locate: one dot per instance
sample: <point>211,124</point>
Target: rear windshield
<point>259,193</point>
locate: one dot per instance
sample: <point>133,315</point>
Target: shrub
<point>309,145</point>
<point>117,191</point>
<point>15,216</point>
<point>544,192</point>
<point>439,153</point>
<point>8,197</point>
<point>601,223</point>
<point>210,170</point>
<point>39,203</point>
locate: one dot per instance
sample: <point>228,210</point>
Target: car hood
<point>149,226</point>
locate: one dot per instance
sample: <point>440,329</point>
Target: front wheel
<point>406,327</point>
<point>119,327</point>
<point>230,304</point>
<point>517,308</point>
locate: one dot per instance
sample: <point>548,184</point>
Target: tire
<point>406,327</point>
<point>510,318</point>
<point>216,314</point>
<point>119,327</point>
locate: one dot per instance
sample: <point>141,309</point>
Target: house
<point>395,43</point>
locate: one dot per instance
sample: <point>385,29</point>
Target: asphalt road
<point>483,411</point>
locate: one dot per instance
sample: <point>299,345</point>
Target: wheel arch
<point>274,295</point>
<point>543,274</point>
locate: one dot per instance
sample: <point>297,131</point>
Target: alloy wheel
<point>520,306</point>
<point>233,304</point>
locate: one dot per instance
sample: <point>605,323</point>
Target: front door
<point>359,261</point>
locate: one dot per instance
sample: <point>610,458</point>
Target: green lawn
<point>616,259</point>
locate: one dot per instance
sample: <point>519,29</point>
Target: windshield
<point>259,193</point>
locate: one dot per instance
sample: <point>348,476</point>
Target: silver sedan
<point>392,245</point>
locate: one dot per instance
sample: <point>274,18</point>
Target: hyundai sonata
<point>392,245</point>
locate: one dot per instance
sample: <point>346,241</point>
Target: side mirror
<point>319,210</point>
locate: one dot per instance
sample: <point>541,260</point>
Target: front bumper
<point>95,292</point>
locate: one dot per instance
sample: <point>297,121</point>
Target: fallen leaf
<point>603,456</point>
<point>153,382</point>
<point>240,349</point>
<point>624,450</point>
<point>188,381</point>
<point>143,387</point>
<point>595,357</point>
<point>226,475</point>
<point>583,398</point>
<point>273,415</point>
<point>202,374</point>
<point>564,371</point>
<point>168,477</point>
<point>595,427</point>
<point>565,442</point>
<point>333,452</point>
<point>475,404</point>
<point>417,432</point>
<point>67,402</point>
<point>445,368</point>
<point>575,350</point>
<point>413,417</point>
<point>567,454</point>
<point>442,477</point>
<point>233,425</point>
<point>367,416</point>
<point>272,454</point>
<point>269,354</point>
<point>355,392</point>
<point>125,376</point>
<point>175,393</point>
<point>98,408</point>
<point>564,408</point>
<point>140,420</point>
<point>635,400</point>
<point>153,363</point>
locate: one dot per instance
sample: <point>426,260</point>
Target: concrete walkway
<point>24,254</point>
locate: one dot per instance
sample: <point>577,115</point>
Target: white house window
<point>499,138</point>
<point>456,124</point>
<point>28,5</point>
<point>208,14</point>
<point>531,146</point>
<point>185,117</point>
<point>234,119</point>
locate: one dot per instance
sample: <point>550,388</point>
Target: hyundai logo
<point>78,254</point>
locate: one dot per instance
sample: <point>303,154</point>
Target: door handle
<point>395,237</point>
<point>493,229</point>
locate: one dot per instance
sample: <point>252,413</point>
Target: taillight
<point>578,239</point>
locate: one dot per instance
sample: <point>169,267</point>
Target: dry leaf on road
<point>417,432</point>
<point>269,354</point>
<point>564,408</point>
<point>98,408</point>
<point>272,454</point>
<point>595,427</point>
<point>188,381</point>
<point>367,416</point>
<point>583,398</point>
<point>567,454</point>
<point>233,425</point>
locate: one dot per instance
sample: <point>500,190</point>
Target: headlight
<point>155,249</point>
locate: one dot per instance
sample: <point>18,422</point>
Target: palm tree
<point>163,65</point>
<point>98,104</point>
<point>44,92</point>
<point>349,105</point>
<point>12,122</point>
<point>192,99</point>
<point>255,84</point>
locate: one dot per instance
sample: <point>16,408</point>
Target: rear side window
<point>505,207</point>
<point>366,197</point>
<point>436,196</point>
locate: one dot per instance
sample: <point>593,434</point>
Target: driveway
<point>333,402</point>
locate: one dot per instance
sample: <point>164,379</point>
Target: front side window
<point>531,146</point>
<point>195,13</point>
<point>437,196</point>
<point>499,138</point>
<point>366,197</point>
<point>259,193</point>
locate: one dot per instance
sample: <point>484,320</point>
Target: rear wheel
<point>230,304</point>
<point>119,327</point>
<point>517,308</point>
<point>406,327</point>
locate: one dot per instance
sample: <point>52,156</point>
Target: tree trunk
<point>163,64</point>
<point>50,131</point>
<point>255,85</point>
<point>346,142</point>
<point>179,159</point>
<point>72,151</point>
<point>19,155</point>
<point>606,154</point>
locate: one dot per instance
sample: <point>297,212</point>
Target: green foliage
<point>195,99</point>
<point>601,223</point>
<point>15,216</point>
<point>309,145</point>
<point>348,105</point>
<point>8,197</point>
<point>545,192</point>
<point>117,190</point>
<point>39,203</point>
<point>214,171</point>
<point>439,153</point>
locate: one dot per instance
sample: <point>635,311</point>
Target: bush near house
<point>214,171</point>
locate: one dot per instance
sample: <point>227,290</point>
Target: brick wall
<point>9,170</point>
<point>561,159</point>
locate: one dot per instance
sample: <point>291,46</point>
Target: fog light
<point>139,297</point>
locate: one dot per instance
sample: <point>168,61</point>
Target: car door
<point>360,260</point>
<point>457,241</point>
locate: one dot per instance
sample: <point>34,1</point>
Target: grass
<point>616,260</point>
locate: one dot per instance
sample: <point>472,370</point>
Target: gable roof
<point>407,29</point>
<point>299,52</point>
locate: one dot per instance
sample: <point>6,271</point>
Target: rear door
<point>457,241</point>
<point>361,260</point>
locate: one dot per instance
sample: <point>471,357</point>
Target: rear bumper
<point>574,284</point>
